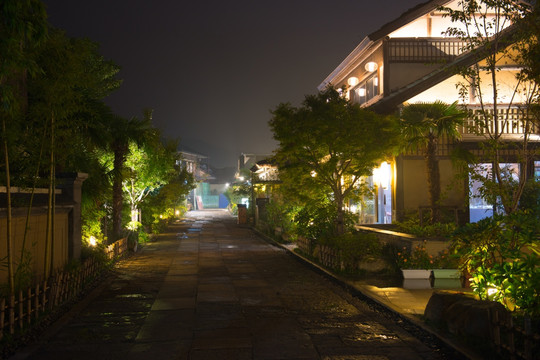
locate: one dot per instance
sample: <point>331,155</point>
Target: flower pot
<point>416,274</point>
<point>446,274</point>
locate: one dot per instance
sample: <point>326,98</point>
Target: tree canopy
<point>327,145</point>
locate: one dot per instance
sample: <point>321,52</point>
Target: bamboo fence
<point>23,310</point>
<point>519,342</point>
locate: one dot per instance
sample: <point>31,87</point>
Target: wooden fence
<point>520,342</point>
<point>22,310</point>
<point>325,255</point>
<point>116,249</point>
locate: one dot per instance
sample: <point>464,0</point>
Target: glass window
<point>479,207</point>
<point>366,90</point>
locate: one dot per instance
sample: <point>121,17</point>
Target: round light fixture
<point>352,81</point>
<point>371,66</point>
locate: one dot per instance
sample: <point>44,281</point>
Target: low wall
<point>35,240</point>
<point>402,240</point>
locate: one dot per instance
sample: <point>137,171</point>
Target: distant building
<point>197,165</point>
<point>211,182</point>
<point>246,161</point>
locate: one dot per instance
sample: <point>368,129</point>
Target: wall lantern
<point>352,81</point>
<point>371,66</point>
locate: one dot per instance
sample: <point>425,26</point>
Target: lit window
<point>366,90</point>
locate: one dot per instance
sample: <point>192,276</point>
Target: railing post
<point>496,329</point>
<point>21,309</point>
<point>11,313</point>
<point>29,305</point>
<point>36,302</point>
<point>2,316</point>
<point>528,338</point>
<point>511,341</point>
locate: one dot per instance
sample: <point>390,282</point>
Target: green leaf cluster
<point>325,148</point>
<point>502,256</point>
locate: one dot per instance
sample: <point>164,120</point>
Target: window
<point>537,170</point>
<point>479,207</point>
<point>366,90</point>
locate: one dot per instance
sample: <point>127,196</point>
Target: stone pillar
<point>71,185</point>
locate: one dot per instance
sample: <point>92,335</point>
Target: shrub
<point>502,256</point>
<point>356,247</point>
<point>412,226</point>
<point>418,258</point>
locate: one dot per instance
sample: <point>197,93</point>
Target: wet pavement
<point>210,289</point>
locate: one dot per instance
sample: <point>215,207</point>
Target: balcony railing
<point>510,125</point>
<point>424,50</point>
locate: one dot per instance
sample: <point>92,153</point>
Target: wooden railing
<point>424,50</point>
<point>509,123</point>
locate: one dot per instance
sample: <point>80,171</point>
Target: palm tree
<point>422,125</point>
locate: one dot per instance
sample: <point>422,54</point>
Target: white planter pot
<point>416,274</point>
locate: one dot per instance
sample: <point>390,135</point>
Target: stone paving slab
<point>223,293</point>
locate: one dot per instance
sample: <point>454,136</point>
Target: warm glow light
<point>371,66</point>
<point>313,173</point>
<point>491,291</point>
<point>161,216</point>
<point>382,175</point>
<point>92,241</point>
<point>241,178</point>
<point>352,81</point>
<point>361,91</point>
<point>177,212</point>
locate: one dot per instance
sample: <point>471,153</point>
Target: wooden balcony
<point>510,125</point>
<point>424,50</point>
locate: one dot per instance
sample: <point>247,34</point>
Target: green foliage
<point>530,200</point>
<point>422,126</point>
<point>236,191</point>
<point>411,225</point>
<point>317,221</point>
<point>498,33</point>
<point>502,256</point>
<point>168,201</point>
<point>445,260</point>
<point>280,213</point>
<point>356,246</point>
<point>91,218</point>
<point>147,169</point>
<point>325,147</point>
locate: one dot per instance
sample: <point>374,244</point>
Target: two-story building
<point>413,59</point>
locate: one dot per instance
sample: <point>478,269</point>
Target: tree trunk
<point>433,180</point>
<point>8,219</point>
<point>340,216</point>
<point>49,235</point>
<point>117,192</point>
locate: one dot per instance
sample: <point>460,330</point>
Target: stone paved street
<point>210,289</point>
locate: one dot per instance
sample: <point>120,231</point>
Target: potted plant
<point>415,264</point>
<point>445,266</point>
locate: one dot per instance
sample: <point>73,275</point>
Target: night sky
<point>212,70</point>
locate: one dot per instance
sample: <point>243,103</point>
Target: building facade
<point>415,59</point>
